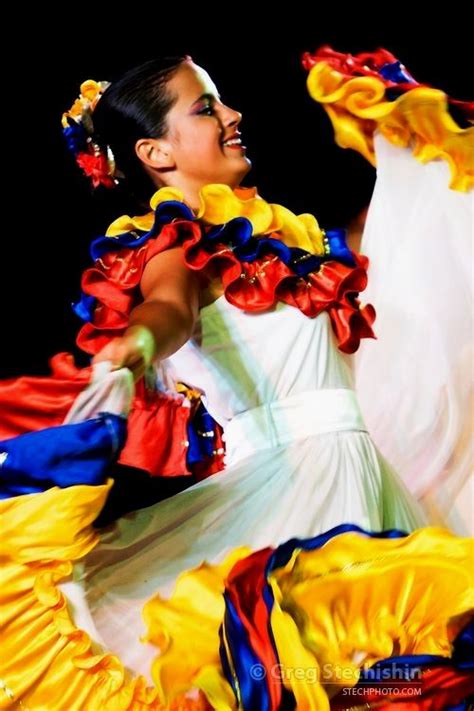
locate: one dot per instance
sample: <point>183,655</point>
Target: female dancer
<point>257,310</point>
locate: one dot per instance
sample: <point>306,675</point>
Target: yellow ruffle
<point>219,204</point>
<point>352,602</point>
<point>125,223</point>
<point>185,629</point>
<point>359,600</point>
<point>47,663</point>
<point>420,118</point>
<point>331,615</point>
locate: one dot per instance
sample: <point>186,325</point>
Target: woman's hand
<point>134,350</point>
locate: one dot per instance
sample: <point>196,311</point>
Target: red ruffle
<point>33,403</point>
<point>350,65</point>
<point>369,64</point>
<point>157,438</point>
<point>157,423</point>
<point>257,286</point>
<point>114,280</point>
<point>251,286</point>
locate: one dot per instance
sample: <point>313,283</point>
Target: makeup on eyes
<point>204,103</point>
<point>208,108</point>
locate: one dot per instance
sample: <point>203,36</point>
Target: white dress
<point>299,462</point>
<point>299,459</point>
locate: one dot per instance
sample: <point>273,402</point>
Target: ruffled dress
<point>296,572</point>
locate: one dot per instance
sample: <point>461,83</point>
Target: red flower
<point>96,167</point>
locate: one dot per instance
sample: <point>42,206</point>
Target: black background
<point>50,217</point>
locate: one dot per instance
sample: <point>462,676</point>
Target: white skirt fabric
<point>296,468</point>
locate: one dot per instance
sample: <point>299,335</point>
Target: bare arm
<point>160,325</point>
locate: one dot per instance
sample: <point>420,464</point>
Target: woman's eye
<point>206,111</point>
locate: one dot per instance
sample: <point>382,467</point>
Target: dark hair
<point>135,106</point>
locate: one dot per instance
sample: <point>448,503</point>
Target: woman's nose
<point>233,117</point>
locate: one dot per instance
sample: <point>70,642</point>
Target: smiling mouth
<point>234,143</point>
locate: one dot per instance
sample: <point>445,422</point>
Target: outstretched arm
<point>160,325</point>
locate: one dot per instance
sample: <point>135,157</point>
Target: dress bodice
<point>241,360</point>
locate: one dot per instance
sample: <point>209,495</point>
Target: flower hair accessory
<point>78,129</point>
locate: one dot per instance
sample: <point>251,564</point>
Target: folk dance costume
<point>297,568</point>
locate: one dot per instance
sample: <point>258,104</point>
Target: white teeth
<point>233,142</point>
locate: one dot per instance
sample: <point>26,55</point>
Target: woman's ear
<point>155,153</point>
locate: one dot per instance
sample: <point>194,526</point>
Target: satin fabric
<point>359,107</point>
<point>327,594</point>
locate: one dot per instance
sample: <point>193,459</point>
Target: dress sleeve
<point>414,383</point>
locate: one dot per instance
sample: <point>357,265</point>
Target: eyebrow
<point>205,97</point>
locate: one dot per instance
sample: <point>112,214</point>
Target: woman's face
<point>203,133</point>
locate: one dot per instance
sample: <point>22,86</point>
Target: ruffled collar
<point>219,204</point>
<point>263,253</point>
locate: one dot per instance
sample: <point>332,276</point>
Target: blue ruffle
<point>250,687</point>
<point>201,436</point>
<point>397,73</point>
<point>62,456</point>
<point>165,213</point>
<point>237,234</point>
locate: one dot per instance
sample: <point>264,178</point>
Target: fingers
<point>122,354</point>
<point>112,352</point>
<point>134,350</point>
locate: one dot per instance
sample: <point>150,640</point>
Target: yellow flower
<point>91,91</point>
